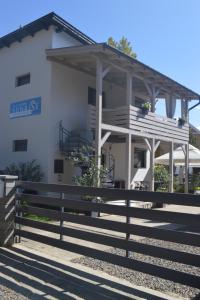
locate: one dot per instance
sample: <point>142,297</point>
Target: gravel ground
<point>146,280</point>
<point>8,294</point>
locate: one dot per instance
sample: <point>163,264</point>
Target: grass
<point>36,218</point>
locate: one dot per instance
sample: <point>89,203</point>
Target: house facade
<point>60,89</point>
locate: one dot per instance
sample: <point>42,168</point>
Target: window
<point>139,158</point>
<point>22,80</point>
<point>92,97</point>
<point>20,145</point>
<point>58,166</point>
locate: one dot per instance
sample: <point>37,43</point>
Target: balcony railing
<point>147,125</point>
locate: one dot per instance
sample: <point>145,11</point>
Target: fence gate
<point>56,203</point>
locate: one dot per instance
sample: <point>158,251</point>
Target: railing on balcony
<point>149,124</point>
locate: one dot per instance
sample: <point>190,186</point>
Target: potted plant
<point>181,122</point>
<point>146,107</point>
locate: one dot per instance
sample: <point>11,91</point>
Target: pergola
<point>109,64</point>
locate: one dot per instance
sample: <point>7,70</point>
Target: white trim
<point>105,137</point>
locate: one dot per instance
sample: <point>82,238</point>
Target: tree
<point>84,158</point>
<point>123,45</point>
<point>161,176</point>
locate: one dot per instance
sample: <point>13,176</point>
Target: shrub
<point>26,171</point>
<point>161,176</point>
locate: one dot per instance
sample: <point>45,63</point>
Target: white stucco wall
<point>61,39</point>
<point>118,150</point>
<point>69,103</point>
<point>22,58</point>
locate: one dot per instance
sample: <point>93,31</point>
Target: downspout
<point>194,106</point>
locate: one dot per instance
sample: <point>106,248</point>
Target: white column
<point>128,161</point>
<point>99,88</point>
<point>152,157</point>
<point>186,111</point>
<point>128,136</point>
<point>171,167</point>
<point>182,109</point>
<point>186,167</point>
<point>153,93</point>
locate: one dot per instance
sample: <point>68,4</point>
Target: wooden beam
<point>105,72</point>
<point>149,90</point>
<point>128,161</point>
<point>153,93</point>
<point>156,146</point>
<point>105,137</point>
<point>152,157</point>
<point>99,91</point>
<point>147,143</point>
<point>183,148</point>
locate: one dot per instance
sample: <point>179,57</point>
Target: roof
<point>84,59</point>
<point>44,23</point>
<point>90,46</point>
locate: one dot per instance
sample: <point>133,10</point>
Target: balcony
<point>145,125</point>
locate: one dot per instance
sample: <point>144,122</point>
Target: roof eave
<point>44,23</point>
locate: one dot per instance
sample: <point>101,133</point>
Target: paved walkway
<point>42,276</point>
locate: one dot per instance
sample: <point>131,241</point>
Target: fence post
<point>62,209</point>
<point>7,209</point>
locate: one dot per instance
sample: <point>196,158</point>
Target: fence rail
<point>50,206</point>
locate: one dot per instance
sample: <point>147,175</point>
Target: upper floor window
<point>92,97</point>
<point>20,145</point>
<point>23,79</point>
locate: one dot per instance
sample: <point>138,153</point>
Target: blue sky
<point>164,33</point>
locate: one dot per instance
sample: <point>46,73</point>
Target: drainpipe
<point>194,106</point>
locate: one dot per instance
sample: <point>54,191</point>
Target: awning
<point>83,58</point>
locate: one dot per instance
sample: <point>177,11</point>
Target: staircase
<point>73,143</point>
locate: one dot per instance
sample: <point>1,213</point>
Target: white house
<point>52,72</point>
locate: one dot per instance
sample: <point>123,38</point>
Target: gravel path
<point>8,294</point>
<point>146,280</point>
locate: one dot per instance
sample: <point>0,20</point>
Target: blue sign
<point>25,108</point>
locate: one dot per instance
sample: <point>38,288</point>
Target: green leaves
<point>147,105</point>
<point>91,174</point>
<point>26,171</point>
<point>161,174</point>
<point>123,45</point>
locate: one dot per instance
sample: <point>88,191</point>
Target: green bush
<point>161,176</point>
<point>26,171</point>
